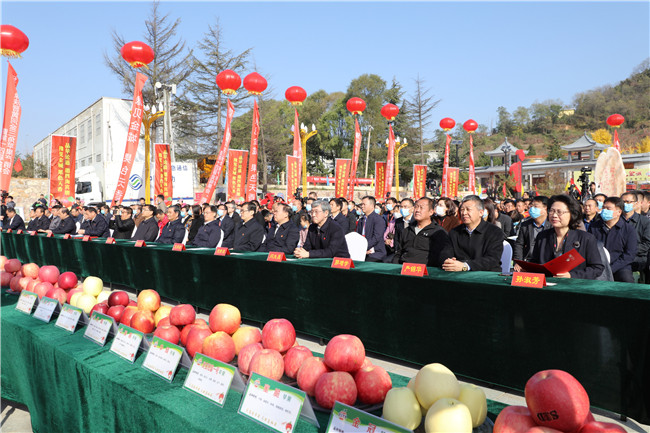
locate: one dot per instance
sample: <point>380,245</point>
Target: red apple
<point>168,333</point>
<point>309,372</point>
<point>219,346</point>
<point>13,265</point>
<point>335,386</point>
<point>13,284</point>
<point>268,363</point>
<point>31,270</point>
<point>557,400</point>
<point>514,419</point>
<point>127,314</point>
<point>201,322</point>
<point>225,317</point>
<point>72,292</point>
<point>184,332</point>
<point>58,294</point>
<point>49,274</point>
<point>278,334</point>
<point>165,322</point>
<point>3,260</point>
<point>5,278</point>
<point>42,288</point>
<point>245,355</point>
<point>143,321</point>
<point>182,315</point>
<point>246,335</point>
<point>115,312</point>
<point>23,283</point>
<point>373,383</point>
<point>345,353</point>
<point>366,363</point>
<point>148,300</point>
<point>102,307</point>
<point>195,339</point>
<point>601,427</point>
<point>68,280</point>
<point>294,359</point>
<point>118,297</point>
<point>132,303</point>
<point>540,429</point>
<point>33,283</point>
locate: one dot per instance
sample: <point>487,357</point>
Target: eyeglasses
<point>558,212</point>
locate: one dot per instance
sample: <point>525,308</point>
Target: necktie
<point>363,226</point>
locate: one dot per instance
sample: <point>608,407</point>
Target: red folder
<point>559,265</point>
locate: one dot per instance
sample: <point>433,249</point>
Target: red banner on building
<point>221,158</point>
<point>444,191</point>
<point>419,181</point>
<point>132,139</point>
<point>390,165</point>
<point>342,174</point>
<point>452,176</point>
<point>251,187</point>
<point>355,160</point>
<point>9,128</point>
<point>163,180</point>
<point>62,168</point>
<point>293,175</point>
<point>472,173</point>
<point>237,175</point>
<point>380,176</point>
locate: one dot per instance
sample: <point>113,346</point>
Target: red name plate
<point>528,279</point>
<point>67,236</point>
<point>341,263</point>
<point>9,230</point>
<point>414,269</point>
<point>86,238</point>
<point>222,251</point>
<point>110,240</point>
<point>49,234</point>
<point>178,247</point>
<point>32,233</point>
<point>275,256</point>
<point>20,232</point>
<point>140,243</point>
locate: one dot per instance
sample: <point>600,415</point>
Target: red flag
<point>390,164</point>
<point>380,176</point>
<point>617,145</point>
<point>18,166</point>
<point>445,168</point>
<point>221,158</point>
<point>355,159</point>
<point>505,194</point>
<point>472,173</point>
<point>163,178</point>
<point>293,175</point>
<point>251,188</point>
<point>9,128</point>
<point>341,173</point>
<point>237,174</point>
<point>419,180</point>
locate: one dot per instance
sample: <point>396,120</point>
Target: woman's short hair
<point>575,210</point>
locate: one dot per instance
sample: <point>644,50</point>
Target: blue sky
<point>475,56</point>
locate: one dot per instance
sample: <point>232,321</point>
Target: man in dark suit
<point>477,244</point>
<point>232,213</point>
<point>148,228</point>
<point>209,233</point>
<point>67,224</point>
<point>632,207</point>
<point>347,209</point>
<point>96,226</point>
<point>227,226</point>
<point>337,216</point>
<point>122,224</point>
<point>325,238</point>
<point>250,234</point>
<point>40,221</point>
<point>530,228</point>
<point>285,235</point>
<point>13,221</point>
<point>372,227</point>
<point>174,231</point>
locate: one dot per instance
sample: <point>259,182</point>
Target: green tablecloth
<point>475,323</point>
<point>71,384</point>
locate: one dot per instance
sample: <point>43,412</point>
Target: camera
<point>583,180</point>
<point>298,194</point>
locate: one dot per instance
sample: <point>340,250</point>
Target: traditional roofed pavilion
<point>506,148</point>
<point>583,144</point>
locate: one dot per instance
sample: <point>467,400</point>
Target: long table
<point>475,323</point>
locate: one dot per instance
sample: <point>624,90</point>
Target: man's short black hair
<point>91,209</point>
<point>600,194</point>
<point>158,211</point>
<point>541,199</point>
<point>371,198</point>
<point>616,201</point>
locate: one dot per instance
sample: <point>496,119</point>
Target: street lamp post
<point>168,133</point>
<point>149,116</point>
<point>370,128</point>
<point>398,147</point>
<point>304,136</point>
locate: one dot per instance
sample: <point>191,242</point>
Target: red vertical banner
<point>380,176</point>
<point>62,168</point>
<point>163,181</point>
<point>444,191</point>
<point>515,172</point>
<point>221,158</point>
<point>453,174</point>
<point>293,175</point>
<point>10,124</point>
<point>132,139</point>
<point>355,159</point>
<point>390,165</point>
<point>617,144</point>
<point>251,185</point>
<point>419,181</point>
<point>342,174</point>
<point>472,173</point>
<point>237,174</point>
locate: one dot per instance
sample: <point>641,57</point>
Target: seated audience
<point>325,238</point>
<point>249,234</point>
<point>285,235</point>
<point>372,226</point>
<point>13,221</point>
<point>173,232</point>
<point>97,225</point>
<point>123,224</point>
<point>530,228</point>
<point>209,234</point>
<point>148,228</point>
<point>446,214</point>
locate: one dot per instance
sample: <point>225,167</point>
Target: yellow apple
<point>448,415</point>
<point>433,382</point>
<point>474,398</point>
<point>401,407</point>
<point>93,286</point>
<point>411,386</point>
<point>103,296</point>
<point>73,299</point>
<point>86,302</point>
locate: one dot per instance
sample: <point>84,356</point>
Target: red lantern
<point>447,123</point>
<point>228,81</point>
<point>12,41</point>
<point>389,111</point>
<point>356,105</point>
<point>137,54</point>
<point>615,120</point>
<point>255,83</point>
<point>470,126</point>
<point>296,95</point>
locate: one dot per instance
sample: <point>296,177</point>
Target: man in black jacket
<point>424,241</point>
<point>250,234</point>
<point>148,229</point>
<point>530,228</point>
<point>67,224</point>
<point>209,234</point>
<point>337,216</point>
<point>123,224</point>
<point>40,221</point>
<point>13,221</point>
<point>285,235</point>
<point>347,209</point>
<point>324,238</point>
<point>232,213</point>
<point>174,231</point>
<point>227,226</point>
<point>477,245</point>
<point>97,225</point>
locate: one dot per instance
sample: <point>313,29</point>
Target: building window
<point>98,157</point>
<point>90,160</point>
<point>82,135</point>
<point>89,131</point>
<point>83,162</point>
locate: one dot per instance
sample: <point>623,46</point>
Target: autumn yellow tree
<point>643,146</point>
<point>602,136</point>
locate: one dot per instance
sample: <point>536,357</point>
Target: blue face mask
<point>308,207</point>
<point>534,212</point>
<point>389,207</point>
<point>182,214</point>
<point>220,212</point>
<point>600,204</point>
<point>103,212</point>
<point>484,213</point>
<point>294,208</point>
<point>238,211</point>
<point>376,211</point>
<point>404,212</point>
<point>607,214</point>
<point>629,207</point>
<point>359,212</point>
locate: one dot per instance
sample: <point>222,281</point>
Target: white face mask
<point>485,214</point>
<point>441,211</point>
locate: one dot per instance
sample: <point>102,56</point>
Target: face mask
<point>534,212</point>
<point>305,226</point>
<point>294,208</point>
<point>600,204</point>
<point>389,207</point>
<point>182,214</point>
<point>238,211</point>
<point>359,213</point>
<point>308,207</point>
<point>441,211</point>
<point>607,214</point>
<point>220,212</point>
<point>629,207</point>
<point>404,212</point>
<point>103,212</point>
<point>350,207</point>
<point>484,213</point>
<point>376,211</point>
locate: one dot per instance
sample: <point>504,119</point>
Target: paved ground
<point>16,419</point>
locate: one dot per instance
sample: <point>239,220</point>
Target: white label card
<point>46,308</point>
<point>99,326</point>
<point>126,342</point>
<point>163,358</point>
<point>212,379</point>
<point>26,301</point>
<point>69,317</point>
